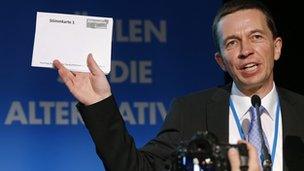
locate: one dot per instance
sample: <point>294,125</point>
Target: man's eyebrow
<point>257,31</point>
<point>230,37</point>
<point>236,37</point>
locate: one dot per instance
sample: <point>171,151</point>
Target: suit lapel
<point>289,115</point>
<point>218,112</point>
<point>292,127</point>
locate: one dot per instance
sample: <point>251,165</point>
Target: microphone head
<point>256,101</point>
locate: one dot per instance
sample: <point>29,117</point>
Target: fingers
<point>64,73</point>
<point>253,162</point>
<point>57,64</point>
<point>253,157</point>
<point>93,67</point>
<point>234,159</point>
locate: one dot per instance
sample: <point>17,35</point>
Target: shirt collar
<point>270,101</point>
<point>242,102</point>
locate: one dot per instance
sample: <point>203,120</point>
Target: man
<point>248,45</point>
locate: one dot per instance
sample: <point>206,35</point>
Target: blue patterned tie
<point>254,136</point>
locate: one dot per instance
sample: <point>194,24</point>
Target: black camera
<point>204,152</point>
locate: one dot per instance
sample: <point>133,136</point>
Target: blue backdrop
<point>161,50</point>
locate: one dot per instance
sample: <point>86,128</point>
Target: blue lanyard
<point>276,132</point>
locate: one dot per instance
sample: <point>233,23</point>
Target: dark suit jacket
<point>206,110</point>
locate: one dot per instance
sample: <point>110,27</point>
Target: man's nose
<point>245,49</point>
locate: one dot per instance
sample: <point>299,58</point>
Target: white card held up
<point>70,38</point>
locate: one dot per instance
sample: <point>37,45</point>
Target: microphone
<point>266,163</point>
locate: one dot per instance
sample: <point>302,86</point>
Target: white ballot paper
<point>70,38</point>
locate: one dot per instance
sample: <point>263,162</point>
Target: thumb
<point>233,156</point>
<point>92,65</point>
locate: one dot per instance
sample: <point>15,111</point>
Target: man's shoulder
<point>213,93</point>
<point>291,96</point>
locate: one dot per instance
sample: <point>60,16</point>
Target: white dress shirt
<point>241,104</point>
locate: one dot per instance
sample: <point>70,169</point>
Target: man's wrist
<point>97,99</point>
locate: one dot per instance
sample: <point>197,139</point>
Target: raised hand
<point>88,88</point>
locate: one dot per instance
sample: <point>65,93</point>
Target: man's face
<point>247,48</point>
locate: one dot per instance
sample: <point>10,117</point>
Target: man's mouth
<point>250,67</point>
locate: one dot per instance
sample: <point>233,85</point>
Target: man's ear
<point>220,61</point>
<point>277,48</point>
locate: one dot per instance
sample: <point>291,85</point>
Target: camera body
<point>205,152</point>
